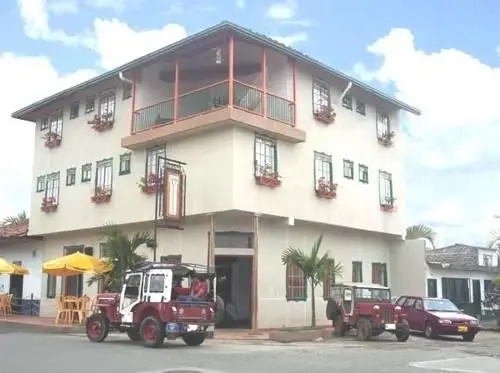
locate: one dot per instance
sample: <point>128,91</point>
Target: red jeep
<point>366,308</point>
<point>157,302</point>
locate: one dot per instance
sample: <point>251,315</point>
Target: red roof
<point>19,230</point>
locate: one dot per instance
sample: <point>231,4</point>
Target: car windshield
<point>443,305</point>
<point>372,294</point>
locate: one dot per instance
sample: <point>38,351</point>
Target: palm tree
<point>315,267</point>
<point>15,219</point>
<point>418,231</point>
<point>119,248</point>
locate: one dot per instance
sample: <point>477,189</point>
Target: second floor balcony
<point>227,82</point>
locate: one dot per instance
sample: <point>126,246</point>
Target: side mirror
<point>347,295</point>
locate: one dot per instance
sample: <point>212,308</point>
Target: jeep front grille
<point>387,315</point>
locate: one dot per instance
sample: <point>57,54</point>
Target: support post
<point>231,71</point>
<point>134,83</point>
<point>211,243</point>
<point>176,91</point>
<point>294,93</point>
<point>255,273</point>
<point>264,81</point>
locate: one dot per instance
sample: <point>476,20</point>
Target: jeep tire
<point>193,339</point>
<point>364,329</point>
<point>402,331</point>
<point>97,327</point>
<point>152,332</point>
<point>134,334</point>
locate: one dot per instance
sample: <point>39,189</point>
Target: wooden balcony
<point>223,101</point>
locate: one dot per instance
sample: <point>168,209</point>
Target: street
<point>25,352</point>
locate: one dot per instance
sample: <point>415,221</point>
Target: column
<point>255,272</point>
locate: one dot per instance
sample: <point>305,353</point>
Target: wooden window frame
<point>382,267</point>
<point>348,165</point>
<point>56,122</point>
<point>101,181</point>
<point>321,96</point>
<point>386,194</point>
<point>357,271</point>
<point>383,123</point>
<point>40,183</point>
<point>152,155</point>
<point>86,169</point>
<point>323,168</point>
<point>295,292</point>
<point>269,147</point>
<point>363,173</point>
<point>71,176</point>
<point>107,104</point>
<point>328,280</point>
<point>125,165</point>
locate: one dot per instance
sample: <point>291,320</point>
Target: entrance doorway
<point>234,286</point>
<point>16,289</point>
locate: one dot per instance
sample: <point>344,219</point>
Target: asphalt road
<point>24,352</point>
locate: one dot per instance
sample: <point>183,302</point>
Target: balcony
<point>213,87</point>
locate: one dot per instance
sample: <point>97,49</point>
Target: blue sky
<point>441,56</point>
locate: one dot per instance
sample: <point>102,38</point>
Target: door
<point>476,294</point>
<point>131,296</point>
<point>409,310</point>
<point>419,316</point>
<point>158,288</point>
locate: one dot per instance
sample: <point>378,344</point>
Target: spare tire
<point>220,309</point>
<point>331,309</point>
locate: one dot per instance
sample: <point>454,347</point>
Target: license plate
<point>463,329</point>
<point>172,328</point>
<point>210,328</point>
<point>390,326</point>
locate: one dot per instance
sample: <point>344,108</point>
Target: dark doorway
<point>476,293</point>
<point>234,286</point>
<point>73,285</point>
<point>16,289</point>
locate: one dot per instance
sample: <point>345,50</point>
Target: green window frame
<point>296,284</point>
<point>323,168</point>
<point>125,164</point>
<point>86,172</point>
<point>265,155</point>
<point>71,176</point>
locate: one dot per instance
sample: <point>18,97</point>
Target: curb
<point>23,327</point>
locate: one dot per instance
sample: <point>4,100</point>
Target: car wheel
<point>468,337</point>
<point>429,331</point>
<point>364,330</point>
<point>152,332</point>
<point>97,327</point>
<point>194,339</point>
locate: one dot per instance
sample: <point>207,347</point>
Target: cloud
<point>452,149</point>
<point>240,4</point>
<point>60,7</point>
<point>291,39</point>
<point>29,79</point>
<point>284,10</point>
<point>116,5</point>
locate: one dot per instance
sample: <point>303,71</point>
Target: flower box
<point>389,205</point>
<point>102,122</point>
<point>149,184</point>
<point>49,204</point>
<point>101,195</point>
<point>325,115</point>
<point>52,140</point>
<point>387,138</point>
<point>326,189</point>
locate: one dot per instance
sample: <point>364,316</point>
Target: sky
<point>440,56</point>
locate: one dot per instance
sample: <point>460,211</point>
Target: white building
<point>264,131</point>
<point>463,274</point>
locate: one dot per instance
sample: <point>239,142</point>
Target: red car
<point>437,316</point>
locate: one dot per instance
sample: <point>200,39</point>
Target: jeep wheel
<point>364,330</point>
<point>152,332</point>
<point>339,326</point>
<point>193,339</point>
<point>468,337</point>
<point>134,334</point>
<point>402,331</point>
<point>429,332</point>
<point>97,327</point>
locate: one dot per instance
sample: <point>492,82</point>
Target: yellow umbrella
<point>75,264</point>
<point>12,269</point>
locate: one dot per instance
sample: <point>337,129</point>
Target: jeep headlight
<point>474,322</point>
<point>445,322</point>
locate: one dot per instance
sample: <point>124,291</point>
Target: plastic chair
<point>62,311</point>
<point>9,304</point>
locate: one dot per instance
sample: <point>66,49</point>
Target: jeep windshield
<point>370,294</point>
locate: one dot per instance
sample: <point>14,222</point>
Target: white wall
<point>30,254</point>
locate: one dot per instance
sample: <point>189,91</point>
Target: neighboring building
<point>265,133</point>
<point>463,274</point>
<point>19,248</point>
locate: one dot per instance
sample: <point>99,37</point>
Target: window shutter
<point>288,278</point>
<point>89,251</point>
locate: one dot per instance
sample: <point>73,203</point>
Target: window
<point>86,172</point>
<point>321,96</point>
<point>383,127</point>
<point>56,123</point>
<point>71,176</point>
<point>296,284</point>
<point>432,288</point>
<point>51,286</point>
<point>488,286</point>
<point>348,169</point>
<point>171,259</point>
<point>419,305</point>
<point>385,187</point>
<point>44,124</point>
<point>125,164</point>
<point>488,260</point>
<point>347,102</point>
<point>322,169</point>
<point>89,104</point>
<point>107,104</point>
<point>401,301</point>
<point>126,91</point>
<point>360,107</point>
<point>234,240</point>
<point>74,110</point>
<point>410,302</point>
<point>363,173</point>
<point>52,187</point>
<point>379,274</point>
<point>328,281</point>
<point>156,283</point>
<point>456,290</point>
<point>357,271</point>
<point>40,184</point>
<point>153,156</point>
<point>104,174</point>
<point>265,156</point>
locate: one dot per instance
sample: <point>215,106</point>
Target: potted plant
<point>388,204</point>
<point>102,122</point>
<point>268,177</point>
<point>326,189</point>
<point>52,140</point>
<point>101,195</point>
<point>149,184</point>
<point>386,138</point>
<point>325,115</point>
<point>49,204</point>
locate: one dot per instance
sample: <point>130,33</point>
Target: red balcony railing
<point>214,97</point>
